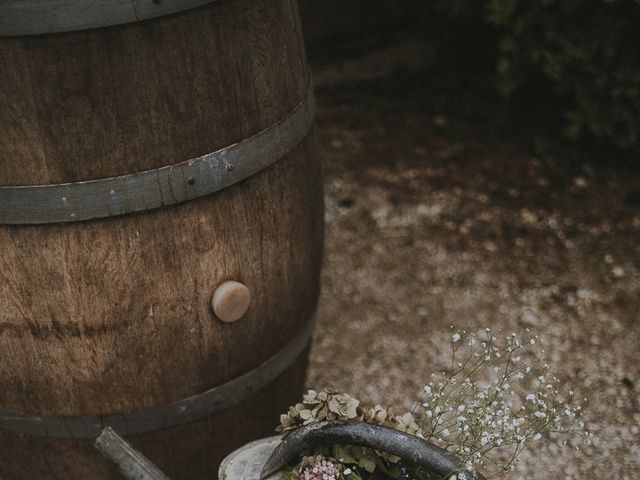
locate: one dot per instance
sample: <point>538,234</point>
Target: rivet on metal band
<point>152,419</point>
<point>37,17</point>
<point>151,189</point>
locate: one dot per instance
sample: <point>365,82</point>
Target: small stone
<point>529,318</point>
<point>439,120</point>
<point>617,272</point>
<point>490,246</point>
<point>580,182</point>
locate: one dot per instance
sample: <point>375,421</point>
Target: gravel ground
<point>424,232</point>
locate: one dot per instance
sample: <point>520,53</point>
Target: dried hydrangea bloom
<point>344,406</point>
<point>407,423</point>
<point>328,404</point>
<point>386,417</point>
<point>378,415</point>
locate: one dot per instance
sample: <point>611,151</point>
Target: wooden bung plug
<point>230,300</point>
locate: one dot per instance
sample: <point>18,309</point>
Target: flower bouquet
<point>471,421</point>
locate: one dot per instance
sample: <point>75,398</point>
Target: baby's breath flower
<point>507,401</point>
<point>496,397</point>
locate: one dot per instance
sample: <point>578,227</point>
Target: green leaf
<point>343,455</point>
<point>368,464</point>
<point>392,470</point>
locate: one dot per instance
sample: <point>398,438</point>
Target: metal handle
<point>132,464</point>
<point>408,447</point>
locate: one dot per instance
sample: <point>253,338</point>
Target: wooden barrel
<point>142,166</point>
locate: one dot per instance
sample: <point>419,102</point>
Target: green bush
<point>580,58</point>
<point>552,72</point>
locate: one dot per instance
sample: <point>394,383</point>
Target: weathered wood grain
<point>114,315</point>
<point>173,450</point>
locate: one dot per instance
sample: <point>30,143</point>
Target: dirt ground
<point>425,231</point>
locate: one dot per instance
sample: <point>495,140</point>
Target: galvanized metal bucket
<point>247,462</point>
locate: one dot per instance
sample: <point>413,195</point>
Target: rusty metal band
<point>151,189</point>
<point>37,17</point>
<point>153,419</point>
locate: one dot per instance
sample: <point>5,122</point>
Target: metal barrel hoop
<point>38,17</point>
<point>183,411</point>
<point>161,187</point>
